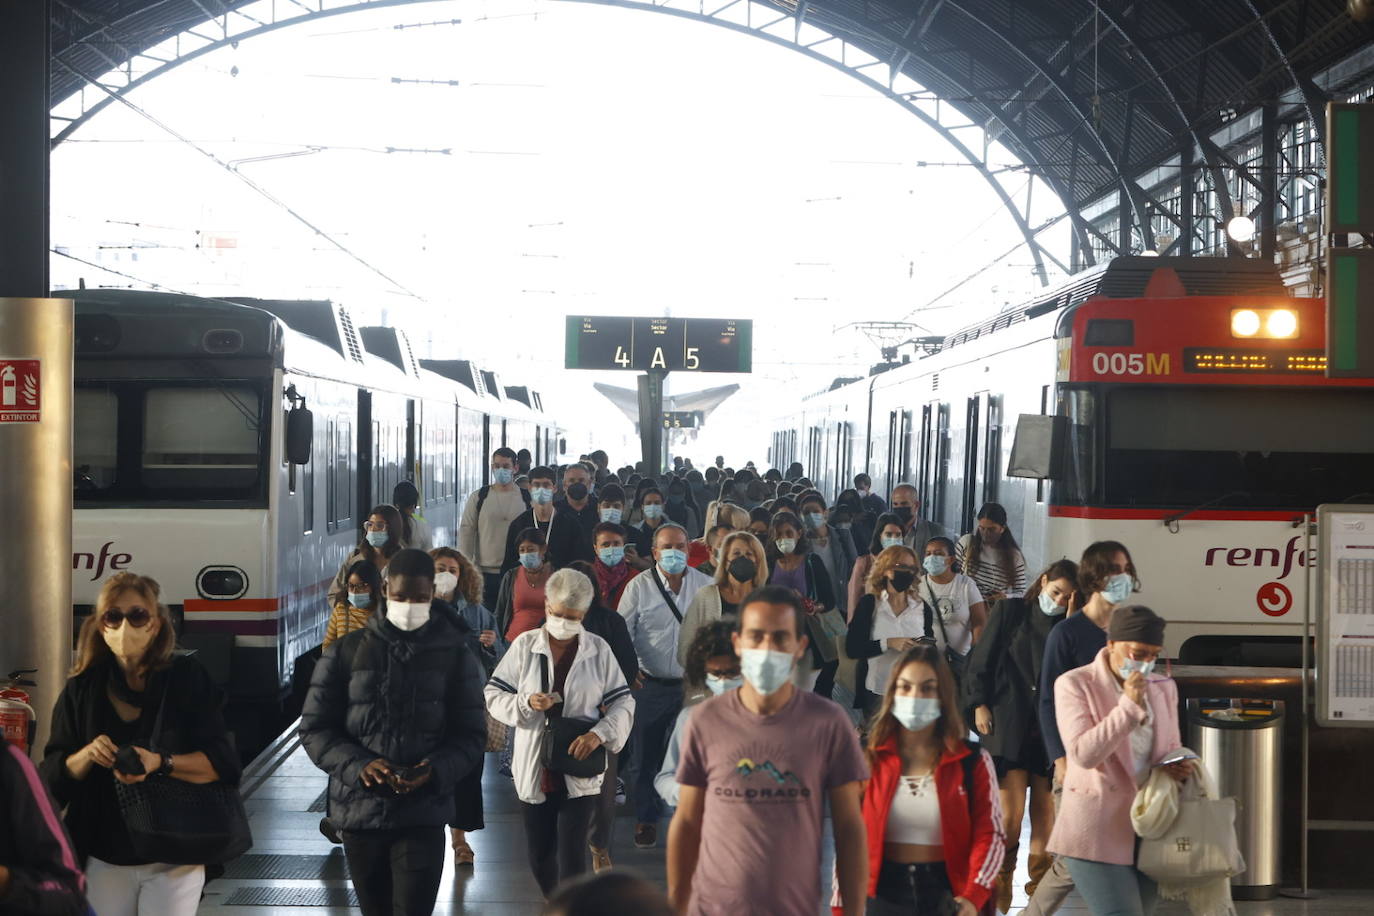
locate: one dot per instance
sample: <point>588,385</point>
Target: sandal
<point>462,854</point>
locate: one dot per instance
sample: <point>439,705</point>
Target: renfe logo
<point>1261,556</point>
<point>98,563</point>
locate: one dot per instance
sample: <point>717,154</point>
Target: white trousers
<point>143,890</point>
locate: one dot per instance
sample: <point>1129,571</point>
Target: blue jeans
<point>1113,890</point>
<point>656,709</point>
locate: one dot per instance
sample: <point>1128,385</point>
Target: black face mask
<point>743,569</point>
<point>902,580</point>
<point>577,492</point>
<point>902,512</point>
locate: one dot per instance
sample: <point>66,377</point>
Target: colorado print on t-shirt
<point>765,779</point>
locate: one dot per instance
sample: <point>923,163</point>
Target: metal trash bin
<point>1241,742</point>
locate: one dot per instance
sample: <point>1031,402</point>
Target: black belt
<point>666,681</point>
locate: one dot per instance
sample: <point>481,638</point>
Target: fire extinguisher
<point>17,719</point>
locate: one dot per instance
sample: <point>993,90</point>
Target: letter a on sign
<point>20,390</point>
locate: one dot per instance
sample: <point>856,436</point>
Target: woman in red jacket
<point>935,840</point>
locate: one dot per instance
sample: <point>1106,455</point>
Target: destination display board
<point>681,419</point>
<point>659,344</point>
<point>1345,615</point>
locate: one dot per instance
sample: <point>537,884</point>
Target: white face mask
<point>765,669</point>
<point>407,615</point>
<point>445,583</point>
<point>562,627</point>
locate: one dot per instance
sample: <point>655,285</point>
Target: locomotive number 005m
<point>1130,363</point>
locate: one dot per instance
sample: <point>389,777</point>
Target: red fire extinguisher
<point>17,719</point>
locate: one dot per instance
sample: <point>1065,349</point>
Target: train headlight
<point>1276,324</point>
<point>1245,323</point>
<point>1282,323</point>
<point>222,582</point>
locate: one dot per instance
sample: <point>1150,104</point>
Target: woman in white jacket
<point>559,669</point>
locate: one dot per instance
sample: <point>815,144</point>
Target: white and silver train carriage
<point>232,449</point>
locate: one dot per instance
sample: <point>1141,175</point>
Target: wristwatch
<point>165,768</point>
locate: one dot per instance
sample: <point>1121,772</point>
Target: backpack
<point>482,497</point>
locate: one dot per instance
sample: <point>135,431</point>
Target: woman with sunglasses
<point>125,673</point>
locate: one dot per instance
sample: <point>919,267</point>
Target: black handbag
<point>559,734</point>
<point>180,823</point>
<point>956,662</point>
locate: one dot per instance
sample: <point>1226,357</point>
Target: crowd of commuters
<point>727,648</point>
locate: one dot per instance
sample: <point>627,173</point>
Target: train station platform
<point>293,871</point>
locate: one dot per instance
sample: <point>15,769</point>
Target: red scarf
<point>612,580</point>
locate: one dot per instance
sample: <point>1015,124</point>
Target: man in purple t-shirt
<point>757,764</point>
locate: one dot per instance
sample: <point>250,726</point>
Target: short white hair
<point>570,590</point>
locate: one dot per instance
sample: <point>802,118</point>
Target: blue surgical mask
<point>1130,666</point>
<point>541,495</point>
<point>765,669</point>
<point>376,538</point>
<point>502,476</point>
<point>611,556</point>
<point>935,564</point>
<point>892,540</point>
<point>653,511</point>
<point>531,560</point>
<point>672,560</point>
<point>1118,588</point>
<point>718,685</point>
<point>915,713</point>
<point>815,520</point>
<point>1047,604</point>
<point>611,515</point>
<point>360,601</point>
<point>786,545</point>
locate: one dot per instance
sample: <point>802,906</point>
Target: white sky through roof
<point>601,161</point>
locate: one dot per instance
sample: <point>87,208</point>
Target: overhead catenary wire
<point>257,188</point>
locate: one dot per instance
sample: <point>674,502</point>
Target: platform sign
<point>681,419</point>
<point>1349,167</point>
<point>1349,209</point>
<point>1345,615</point>
<point>21,382</point>
<point>659,344</point>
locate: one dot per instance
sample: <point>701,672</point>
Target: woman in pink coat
<point>1116,721</point>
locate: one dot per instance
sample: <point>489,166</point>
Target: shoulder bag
<point>559,734</point>
<point>1200,845</point>
<point>179,823</point>
<point>827,628</point>
<point>956,661</point>
<point>667,595</point>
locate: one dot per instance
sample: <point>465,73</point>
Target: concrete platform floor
<point>500,884</point>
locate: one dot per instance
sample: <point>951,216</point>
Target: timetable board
<point>1345,618</point>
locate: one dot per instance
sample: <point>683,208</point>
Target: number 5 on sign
<point>692,361</point>
<point>622,359</point>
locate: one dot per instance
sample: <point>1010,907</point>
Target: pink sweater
<point>1095,722</point>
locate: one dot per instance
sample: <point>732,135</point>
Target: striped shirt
<point>989,574</point>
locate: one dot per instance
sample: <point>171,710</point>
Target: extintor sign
<point>20,390</point>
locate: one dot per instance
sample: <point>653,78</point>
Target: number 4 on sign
<point>622,359</point>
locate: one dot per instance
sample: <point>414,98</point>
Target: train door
<point>413,454</point>
<point>906,434</point>
<point>844,458</point>
<point>365,464</point>
<point>992,447</point>
<point>487,449</point>
<point>538,446</point>
<point>925,468</point>
<point>937,500</point>
<point>504,440</point>
<point>968,505</point>
<point>893,452</point>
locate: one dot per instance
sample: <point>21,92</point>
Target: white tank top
<point>914,817</point>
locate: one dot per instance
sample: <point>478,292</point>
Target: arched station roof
<point>1088,94</point>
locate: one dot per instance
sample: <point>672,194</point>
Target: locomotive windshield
<point>1289,448</point>
<point>153,442</point>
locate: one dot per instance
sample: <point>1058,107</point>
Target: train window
<point>308,492</point>
<point>95,442</point>
<point>1044,409</point>
<point>201,438</point>
<point>992,448</point>
<point>341,505</point>
<point>331,458</point>
<point>1109,332</point>
<point>1179,447</point>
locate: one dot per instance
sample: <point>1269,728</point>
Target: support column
<point>36,495</point>
<point>1125,218</point>
<point>1187,191</point>
<point>651,420</point>
<point>1269,180</point>
<point>24,48</point>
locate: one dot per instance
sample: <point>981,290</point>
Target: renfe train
<point>1197,426</point>
<point>195,463</point>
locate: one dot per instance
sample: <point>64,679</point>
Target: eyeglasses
<point>138,618</point>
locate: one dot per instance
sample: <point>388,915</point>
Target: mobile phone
<point>556,697</point>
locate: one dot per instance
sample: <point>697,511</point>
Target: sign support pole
<point>650,414</point>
